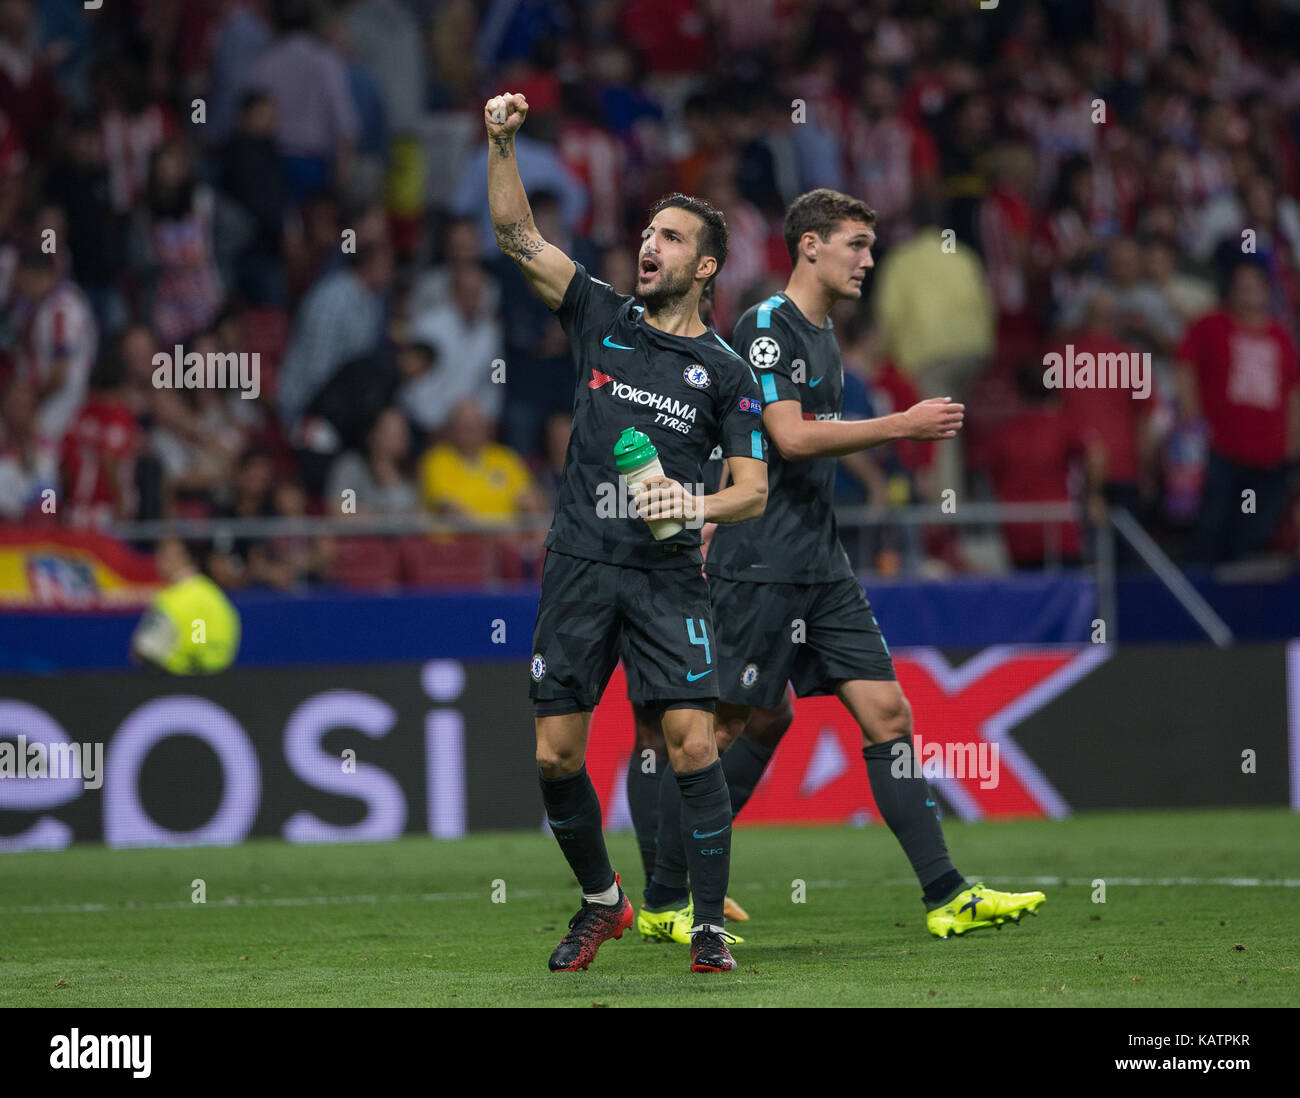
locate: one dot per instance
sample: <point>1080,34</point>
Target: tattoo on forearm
<point>519,240</point>
<point>503,146</point>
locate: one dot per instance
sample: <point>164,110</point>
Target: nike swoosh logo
<point>561,823</point>
<point>709,834</point>
<point>691,677</point>
<point>617,346</point>
<point>815,382</point>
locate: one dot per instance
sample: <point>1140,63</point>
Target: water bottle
<point>637,459</point>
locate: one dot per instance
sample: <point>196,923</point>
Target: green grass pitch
<point>413,923</point>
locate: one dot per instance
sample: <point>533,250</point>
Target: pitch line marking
<point>283,901</point>
<point>756,886</point>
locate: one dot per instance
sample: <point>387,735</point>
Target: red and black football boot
<point>709,952</point>
<point>592,925</point>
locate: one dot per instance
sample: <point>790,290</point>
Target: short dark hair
<point>288,16</point>
<point>1232,263</point>
<point>198,550</point>
<point>821,212</point>
<point>365,251</point>
<point>110,368</point>
<point>713,240</point>
<point>200,553</point>
<point>254,453</point>
<point>254,97</point>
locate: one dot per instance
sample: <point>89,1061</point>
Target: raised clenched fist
<point>504,114</point>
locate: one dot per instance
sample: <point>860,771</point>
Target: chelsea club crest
<point>697,377</point>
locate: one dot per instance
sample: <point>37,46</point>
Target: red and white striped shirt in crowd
<point>1219,54</point>
<point>1207,174</point>
<point>1003,223</point>
<point>748,26</point>
<point>671,36</point>
<point>1116,191</point>
<point>746,262</point>
<point>61,328</point>
<point>129,143</point>
<point>1195,180</point>
<point>1059,239</point>
<point>99,454</point>
<point>1057,132</point>
<point>188,293</point>
<point>925,97</point>
<point>1135,33</point>
<point>597,158</point>
<point>888,157</point>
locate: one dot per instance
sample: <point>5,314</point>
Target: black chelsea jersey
<point>796,539</point>
<point>688,394</point>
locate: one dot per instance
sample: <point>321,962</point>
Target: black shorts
<point>660,618</point>
<point>814,635</point>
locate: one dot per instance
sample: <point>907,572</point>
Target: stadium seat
<point>510,561</point>
<point>445,562</point>
<point>518,561</point>
<point>366,564</point>
<point>191,507</point>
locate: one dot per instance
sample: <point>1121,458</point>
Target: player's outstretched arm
<point>743,498</point>
<point>798,438</point>
<point>547,269</point>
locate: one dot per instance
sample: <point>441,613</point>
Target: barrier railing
<point>1051,515</point>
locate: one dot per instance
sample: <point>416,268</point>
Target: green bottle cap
<point>632,449</point>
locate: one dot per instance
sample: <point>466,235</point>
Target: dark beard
<point>668,295</point>
<point>174,204</point>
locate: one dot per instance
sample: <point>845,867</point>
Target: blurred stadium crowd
<point>202,165</point>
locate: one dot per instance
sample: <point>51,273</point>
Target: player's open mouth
<point>648,268</point>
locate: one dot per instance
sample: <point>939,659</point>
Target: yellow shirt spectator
<point>932,304</point>
<point>489,485</point>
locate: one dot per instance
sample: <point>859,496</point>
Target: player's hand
<point>504,114</point>
<point>665,498</point>
<point>934,419</point>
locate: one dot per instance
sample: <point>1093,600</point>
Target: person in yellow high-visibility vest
<point>190,628</point>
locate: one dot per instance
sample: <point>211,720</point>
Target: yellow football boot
<point>673,925</point>
<point>977,907</point>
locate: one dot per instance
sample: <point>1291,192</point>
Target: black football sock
<point>706,832</point>
<point>743,765</point>
<point>668,882</point>
<point>643,804</point>
<point>573,811</point>
<point>904,800</point>
<point>944,889</point>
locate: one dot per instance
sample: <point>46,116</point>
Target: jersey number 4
<point>701,637</point>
